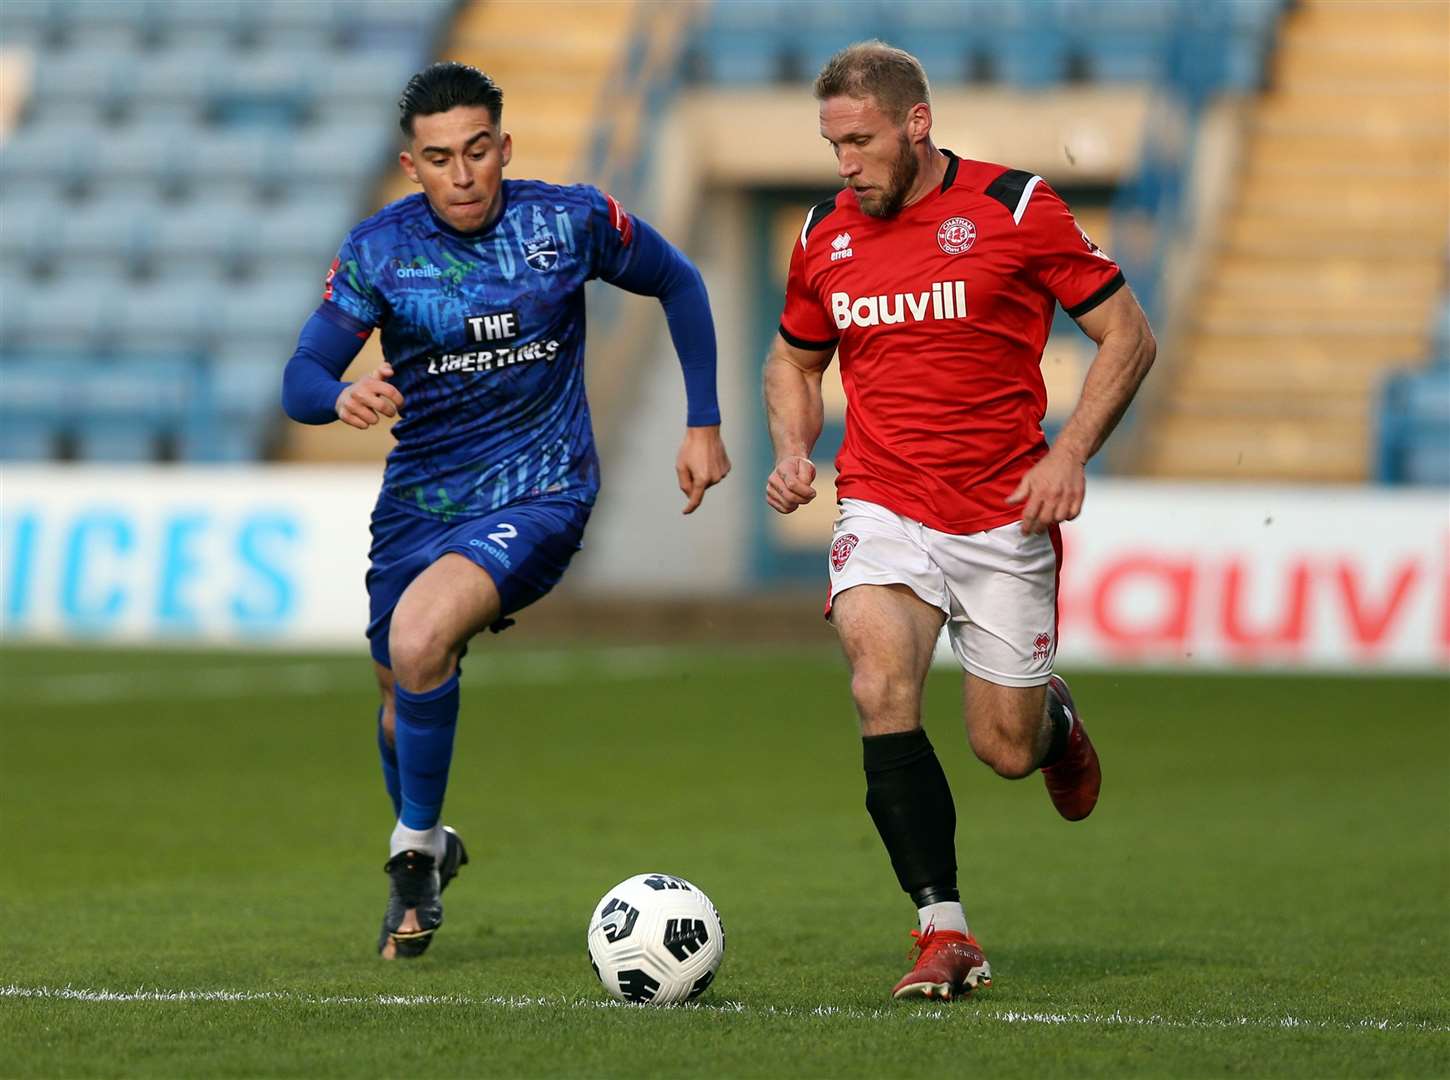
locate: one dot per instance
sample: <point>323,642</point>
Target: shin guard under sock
<point>423,733</point>
<point>908,798</point>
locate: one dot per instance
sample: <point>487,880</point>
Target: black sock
<point>1061,727</point>
<point>909,800</point>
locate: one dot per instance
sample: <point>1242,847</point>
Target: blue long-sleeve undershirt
<point>312,379</point>
<point>328,343</point>
<point>658,268</point>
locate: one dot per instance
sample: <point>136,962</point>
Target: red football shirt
<point>941,314</point>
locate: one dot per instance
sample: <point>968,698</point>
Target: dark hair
<point>448,85</point>
<point>877,70</point>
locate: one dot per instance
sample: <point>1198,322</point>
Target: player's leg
<point>483,570</point>
<point>888,606</point>
<point>439,611</point>
<point>387,746</point>
<point>444,606</point>
<point>1019,716</point>
<point>1018,730</point>
<point>888,634</point>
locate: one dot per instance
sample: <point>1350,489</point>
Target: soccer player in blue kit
<point>477,285</point>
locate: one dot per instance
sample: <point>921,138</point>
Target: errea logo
<point>841,247</point>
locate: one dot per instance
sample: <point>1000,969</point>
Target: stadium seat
<point>117,441</point>
<point>166,315</point>
<point>179,181</point>
<point>1415,428</point>
<point>27,438</point>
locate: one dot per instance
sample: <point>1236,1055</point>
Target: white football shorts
<point>998,588</point>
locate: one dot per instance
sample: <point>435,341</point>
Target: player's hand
<point>1052,492</point>
<point>363,403</point>
<point>789,486</point>
<point>701,463</point>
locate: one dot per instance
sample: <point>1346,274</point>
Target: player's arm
<point>795,411</point>
<point>655,267</point>
<point>312,388</point>
<point>1126,350</point>
<point>1052,491</point>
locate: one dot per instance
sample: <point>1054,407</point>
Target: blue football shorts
<point>524,548</point>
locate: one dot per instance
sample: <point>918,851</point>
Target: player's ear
<point>506,149</point>
<point>918,121</point>
<point>405,160</point>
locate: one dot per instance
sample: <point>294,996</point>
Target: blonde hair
<point>877,70</point>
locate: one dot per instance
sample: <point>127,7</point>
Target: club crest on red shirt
<point>956,235</point>
<point>841,549</point>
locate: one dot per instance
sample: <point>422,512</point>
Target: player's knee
<point>1011,761</point>
<point>998,748</point>
<point>883,697</point>
<point>422,656</point>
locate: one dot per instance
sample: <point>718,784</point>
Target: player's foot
<point>948,964</point>
<point>1074,782</point>
<point>415,908</point>
<point>454,856</point>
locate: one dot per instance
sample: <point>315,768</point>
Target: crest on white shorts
<point>1040,646</point>
<point>841,549</point>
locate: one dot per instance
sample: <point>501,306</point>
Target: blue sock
<point>390,767</point>
<point>423,733</point>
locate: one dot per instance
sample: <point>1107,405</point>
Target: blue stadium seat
<point>62,313</point>
<point>117,441</point>
<point>182,178</point>
<point>27,438</point>
<point>267,313</point>
<point>307,231</point>
<point>1415,428</point>
<point>39,387</point>
<point>164,315</point>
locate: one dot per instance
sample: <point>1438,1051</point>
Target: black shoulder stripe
<point>818,214</point>
<point>802,343</point>
<point>951,174</point>
<point>1007,189</point>
<point>1077,311</point>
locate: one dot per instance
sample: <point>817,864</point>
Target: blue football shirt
<point>485,333</point>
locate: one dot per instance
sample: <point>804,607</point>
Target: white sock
<point>944,916</point>
<point>433,841</point>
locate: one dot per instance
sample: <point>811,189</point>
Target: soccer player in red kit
<point>935,279</point>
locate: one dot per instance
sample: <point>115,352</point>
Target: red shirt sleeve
<point>804,323</point>
<point>1061,258</point>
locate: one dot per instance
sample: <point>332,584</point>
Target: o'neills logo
<point>945,300</point>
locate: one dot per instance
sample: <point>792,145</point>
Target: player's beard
<point>904,171</point>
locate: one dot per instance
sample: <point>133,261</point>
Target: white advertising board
<point>1154,574</point>
<point>196,555</point>
<point>1265,577</point>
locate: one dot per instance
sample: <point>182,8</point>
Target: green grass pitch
<point>192,845</point>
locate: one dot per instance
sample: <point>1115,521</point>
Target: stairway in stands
<point>554,62</point>
<point>1329,264</point>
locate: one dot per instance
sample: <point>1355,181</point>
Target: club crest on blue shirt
<point>541,251</point>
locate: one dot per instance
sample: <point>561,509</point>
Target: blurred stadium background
<point>175,176</point>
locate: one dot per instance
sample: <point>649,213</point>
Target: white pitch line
<point>914,1012</point>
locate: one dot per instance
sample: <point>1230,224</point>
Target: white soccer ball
<point>655,939</point>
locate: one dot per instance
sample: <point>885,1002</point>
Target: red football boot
<point>1074,782</point>
<point>948,964</point>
